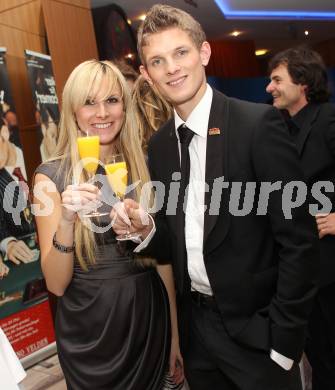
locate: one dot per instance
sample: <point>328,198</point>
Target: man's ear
<point>205,53</point>
<point>145,74</point>
<point>304,90</point>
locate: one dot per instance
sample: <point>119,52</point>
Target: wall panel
<point>6,5</point>
<point>17,40</point>
<point>27,18</point>
<point>21,91</point>
<point>71,37</point>
<point>231,59</point>
<point>77,3</point>
<point>30,143</point>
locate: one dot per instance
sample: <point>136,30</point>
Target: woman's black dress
<point>112,323</point>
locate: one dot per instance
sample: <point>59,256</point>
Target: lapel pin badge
<point>214,131</point>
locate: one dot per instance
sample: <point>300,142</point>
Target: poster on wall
<point>43,87</point>
<point>25,315</point>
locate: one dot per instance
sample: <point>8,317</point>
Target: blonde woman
<point>151,109</point>
<point>112,324</point>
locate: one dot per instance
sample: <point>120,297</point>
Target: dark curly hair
<point>306,67</point>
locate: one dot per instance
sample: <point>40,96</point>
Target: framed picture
<point>115,37</point>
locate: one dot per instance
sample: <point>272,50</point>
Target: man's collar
<point>198,119</point>
<point>301,116</point>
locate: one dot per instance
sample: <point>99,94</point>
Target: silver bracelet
<point>60,247</point>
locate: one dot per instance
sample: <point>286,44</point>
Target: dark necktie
<point>22,181</point>
<point>185,137</point>
<point>25,188</point>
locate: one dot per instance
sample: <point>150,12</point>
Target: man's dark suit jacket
<point>315,141</point>
<point>262,269</point>
<point>7,224</point>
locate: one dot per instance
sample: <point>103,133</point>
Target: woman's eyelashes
<point>110,100</point>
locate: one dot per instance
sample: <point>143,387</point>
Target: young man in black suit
<point>299,85</point>
<point>245,278</point>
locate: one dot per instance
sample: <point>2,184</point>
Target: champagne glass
<point>89,151</point>
<point>117,175</point>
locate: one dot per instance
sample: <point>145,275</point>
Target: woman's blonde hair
<point>84,80</point>
<point>151,109</point>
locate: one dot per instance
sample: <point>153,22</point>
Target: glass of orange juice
<point>117,175</point>
<point>89,151</point>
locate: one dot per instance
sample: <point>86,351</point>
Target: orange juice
<point>118,177</point>
<point>88,147</point>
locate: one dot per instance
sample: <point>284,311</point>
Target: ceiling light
<point>129,21</point>
<point>306,32</point>
<point>236,33</point>
<point>142,17</point>
<point>230,13</point>
<point>261,52</point>
<point>130,56</point>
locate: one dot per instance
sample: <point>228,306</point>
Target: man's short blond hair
<point>162,17</point>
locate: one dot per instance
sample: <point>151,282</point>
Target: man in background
<point>299,85</point>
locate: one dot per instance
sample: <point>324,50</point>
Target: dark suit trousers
<point>320,348</point>
<point>215,361</point>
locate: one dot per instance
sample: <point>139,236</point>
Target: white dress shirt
<point>194,216</point>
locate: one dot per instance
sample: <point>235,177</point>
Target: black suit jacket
<point>8,227</point>
<point>263,269</point>
<point>315,142</point>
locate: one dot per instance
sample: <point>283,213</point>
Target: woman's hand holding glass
<point>78,199</point>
